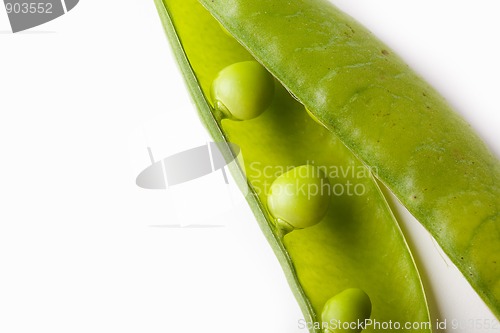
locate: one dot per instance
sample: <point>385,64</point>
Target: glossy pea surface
<point>243,90</point>
<point>345,311</point>
<point>300,197</point>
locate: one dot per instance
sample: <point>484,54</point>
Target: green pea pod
<point>358,244</point>
<point>389,118</point>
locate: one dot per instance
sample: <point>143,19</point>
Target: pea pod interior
<point>385,113</point>
<point>358,244</point>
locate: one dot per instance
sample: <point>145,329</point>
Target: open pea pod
<point>389,117</point>
<point>358,244</point>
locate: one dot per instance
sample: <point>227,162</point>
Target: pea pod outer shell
<point>389,117</point>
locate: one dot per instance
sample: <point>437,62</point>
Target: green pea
<point>242,91</point>
<point>299,198</point>
<point>345,311</point>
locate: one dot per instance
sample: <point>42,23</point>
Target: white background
<point>83,249</point>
